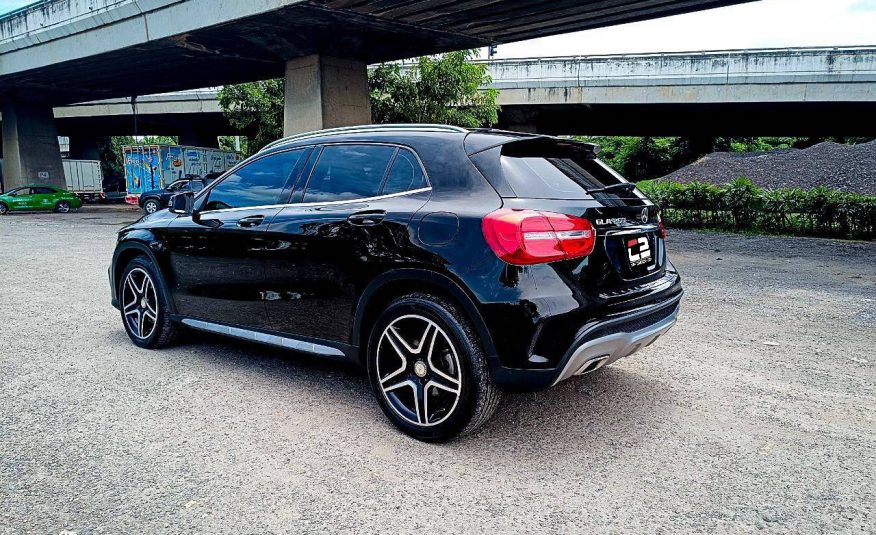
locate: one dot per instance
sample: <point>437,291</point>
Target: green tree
<point>255,108</point>
<point>228,143</point>
<point>443,89</point>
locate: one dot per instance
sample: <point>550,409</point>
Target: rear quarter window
<point>405,174</point>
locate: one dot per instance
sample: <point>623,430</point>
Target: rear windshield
<point>542,171</point>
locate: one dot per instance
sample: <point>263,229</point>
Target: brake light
<point>532,237</point>
<point>660,228</point>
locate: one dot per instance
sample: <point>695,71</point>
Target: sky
<point>761,24</point>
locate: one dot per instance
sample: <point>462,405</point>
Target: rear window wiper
<point>623,186</point>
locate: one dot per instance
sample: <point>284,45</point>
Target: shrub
<point>743,206</point>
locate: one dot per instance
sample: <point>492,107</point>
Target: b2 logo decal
<point>639,251</point>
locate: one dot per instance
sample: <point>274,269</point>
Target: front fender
<point>140,242</point>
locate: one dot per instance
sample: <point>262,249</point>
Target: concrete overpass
<point>61,51</point>
<point>803,91</point>
<point>809,91</point>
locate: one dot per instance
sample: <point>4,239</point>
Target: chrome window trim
<point>287,342</point>
<point>326,203</point>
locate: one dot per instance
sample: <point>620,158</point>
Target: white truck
<point>84,178</point>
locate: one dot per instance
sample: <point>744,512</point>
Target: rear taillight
<point>533,237</point>
<point>660,228</point>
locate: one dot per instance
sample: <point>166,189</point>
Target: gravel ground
<point>850,168</point>
<point>755,413</point>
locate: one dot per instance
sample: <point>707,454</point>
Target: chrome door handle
<point>368,218</point>
<point>251,221</point>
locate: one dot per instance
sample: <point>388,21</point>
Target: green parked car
<point>38,197</point>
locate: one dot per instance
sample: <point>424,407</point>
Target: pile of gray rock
<point>850,168</point>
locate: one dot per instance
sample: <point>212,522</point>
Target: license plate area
<point>639,251</point>
<point>633,253</point>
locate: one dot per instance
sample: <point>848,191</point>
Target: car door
<point>20,199</point>
<point>42,198</point>
<point>217,257</point>
<point>340,231</point>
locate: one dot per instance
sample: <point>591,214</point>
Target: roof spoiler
<point>520,144</point>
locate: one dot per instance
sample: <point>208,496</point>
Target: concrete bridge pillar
<point>325,92</point>
<point>30,146</point>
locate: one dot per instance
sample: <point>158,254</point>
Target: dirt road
<point>755,412</point>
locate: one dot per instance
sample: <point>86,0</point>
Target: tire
<point>420,350</point>
<point>151,206</point>
<point>148,322</point>
<point>62,207</point>
<point>3,209</point>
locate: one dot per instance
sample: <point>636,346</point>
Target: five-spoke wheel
<point>140,303</point>
<point>62,207</point>
<point>419,370</point>
<point>428,370</point>
<point>144,305</point>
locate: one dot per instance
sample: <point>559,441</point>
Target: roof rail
<point>367,128</point>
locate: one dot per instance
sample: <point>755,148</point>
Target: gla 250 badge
<point>643,217</point>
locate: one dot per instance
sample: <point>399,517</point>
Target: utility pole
<point>134,112</point>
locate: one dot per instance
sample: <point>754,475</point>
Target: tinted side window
<point>42,191</point>
<point>259,183</point>
<point>406,174</point>
<point>348,172</point>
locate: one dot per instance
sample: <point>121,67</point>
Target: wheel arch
<point>129,250</point>
<point>390,285</point>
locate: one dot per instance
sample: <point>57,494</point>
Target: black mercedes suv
<point>453,264</point>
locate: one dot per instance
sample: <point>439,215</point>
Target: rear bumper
<point>591,354</point>
<point>597,344</point>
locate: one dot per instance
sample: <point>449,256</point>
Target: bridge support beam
<point>30,146</point>
<point>325,92</point>
<point>198,138</point>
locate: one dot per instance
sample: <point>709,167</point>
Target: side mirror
<point>181,203</point>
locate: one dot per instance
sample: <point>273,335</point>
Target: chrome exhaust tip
<point>593,364</point>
